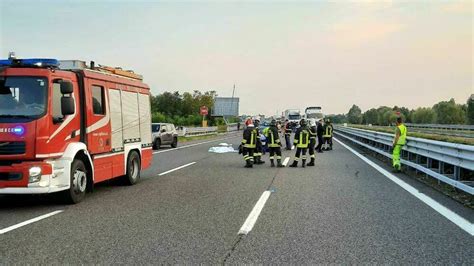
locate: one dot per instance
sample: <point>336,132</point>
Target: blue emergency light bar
<point>30,62</point>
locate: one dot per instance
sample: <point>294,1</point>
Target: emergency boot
<point>279,163</point>
<point>272,163</point>
<point>294,164</point>
<point>248,164</point>
<point>304,163</point>
<point>311,163</point>
<point>258,160</point>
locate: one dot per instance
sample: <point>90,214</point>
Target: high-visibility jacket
<point>328,131</point>
<point>273,139</point>
<point>250,138</point>
<point>302,137</point>
<point>402,140</point>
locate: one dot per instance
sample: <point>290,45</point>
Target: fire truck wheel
<point>133,168</point>
<point>77,190</point>
<point>175,143</point>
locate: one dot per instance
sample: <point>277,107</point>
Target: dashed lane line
<point>253,216</point>
<point>16,226</point>
<point>447,213</point>
<point>177,168</point>
<point>285,162</point>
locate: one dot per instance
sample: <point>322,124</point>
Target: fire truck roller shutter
<point>131,117</point>
<point>145,119</point>
<point>116,119</point>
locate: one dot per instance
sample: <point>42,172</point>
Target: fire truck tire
<point>156,144</point>
<point>133,168</point>
<point>77,190</point>
<point>175,143</point>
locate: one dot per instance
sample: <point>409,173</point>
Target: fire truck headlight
<point>35,174</point>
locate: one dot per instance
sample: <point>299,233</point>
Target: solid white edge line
<point>177,168</point>
<point>450,215</point>
<point>285,162</point>
<point>192,145</point>
<point>16,226</point>
<point>253,216</point>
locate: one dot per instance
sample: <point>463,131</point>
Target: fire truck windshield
<point>22,96</point>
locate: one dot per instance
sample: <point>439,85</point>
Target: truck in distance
<point>65,126</point>
<point>293,115</point>
<point>314,112</point>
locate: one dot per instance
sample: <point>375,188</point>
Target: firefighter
<point>287,129</point>
<point>312,141</point>
<point>301,142</point>
<point>274,143</point>
<point>327,137</point>
<point>320,132</point>
<point>398,142</point>
<point>259,147</point>
<point>249,144</point>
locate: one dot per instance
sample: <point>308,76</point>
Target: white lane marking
<point>177,168</point>
<point>16,226</point>
<point>285,162</point>
<point>253,216</point>
<point>192,145</point>
<point>293,147</point>
<point>450,215</point>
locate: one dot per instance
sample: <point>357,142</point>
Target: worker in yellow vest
<point>398,142</point>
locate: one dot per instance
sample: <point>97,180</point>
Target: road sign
<point>204,110</point>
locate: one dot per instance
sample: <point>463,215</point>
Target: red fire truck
<point>65,126</point>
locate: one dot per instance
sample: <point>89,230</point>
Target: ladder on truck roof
<point>77,64</point>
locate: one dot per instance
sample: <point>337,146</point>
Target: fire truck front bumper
<point>28,178</point>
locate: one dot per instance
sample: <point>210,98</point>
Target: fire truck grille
<point>12,147</point>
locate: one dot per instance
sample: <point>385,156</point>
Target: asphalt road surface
<point>341,211</point>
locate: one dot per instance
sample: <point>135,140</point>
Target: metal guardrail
<point>441,160</point>
<point>202,131</point>
<point>441,126</point>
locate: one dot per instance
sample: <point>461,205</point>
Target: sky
<point>279,54</point>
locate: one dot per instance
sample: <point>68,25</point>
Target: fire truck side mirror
<point>67,106</point>
<point>66,87</point>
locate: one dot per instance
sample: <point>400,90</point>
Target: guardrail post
<point>440,170</point>
<point>457,172</point>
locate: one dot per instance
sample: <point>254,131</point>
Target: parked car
<point>164,134</point>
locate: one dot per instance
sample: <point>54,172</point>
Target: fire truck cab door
<point>98,117</point>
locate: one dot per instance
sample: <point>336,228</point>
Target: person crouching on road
<point>312,141</point>
<point>327,137</point>
<point>259,146</point>
<point>398,142</point>
<point>249,144</point>
<point>301,142</point>
<point>274,143</point>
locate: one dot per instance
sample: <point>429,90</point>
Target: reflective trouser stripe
<point>297,158</point>
<point>271,157</point>
<point>312,156</point>
<point>278,157</point>
<point>304,157</point>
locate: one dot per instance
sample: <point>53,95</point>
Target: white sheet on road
<point>223,148</point>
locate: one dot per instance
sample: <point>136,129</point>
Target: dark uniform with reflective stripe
<point>327,137</point>
<point>249,144</point>
<point>274,144</point>
<point>301,142</point>
<point>312,143</point>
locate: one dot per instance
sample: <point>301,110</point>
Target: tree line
<point>184,109</point>
<point>444,112</point>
